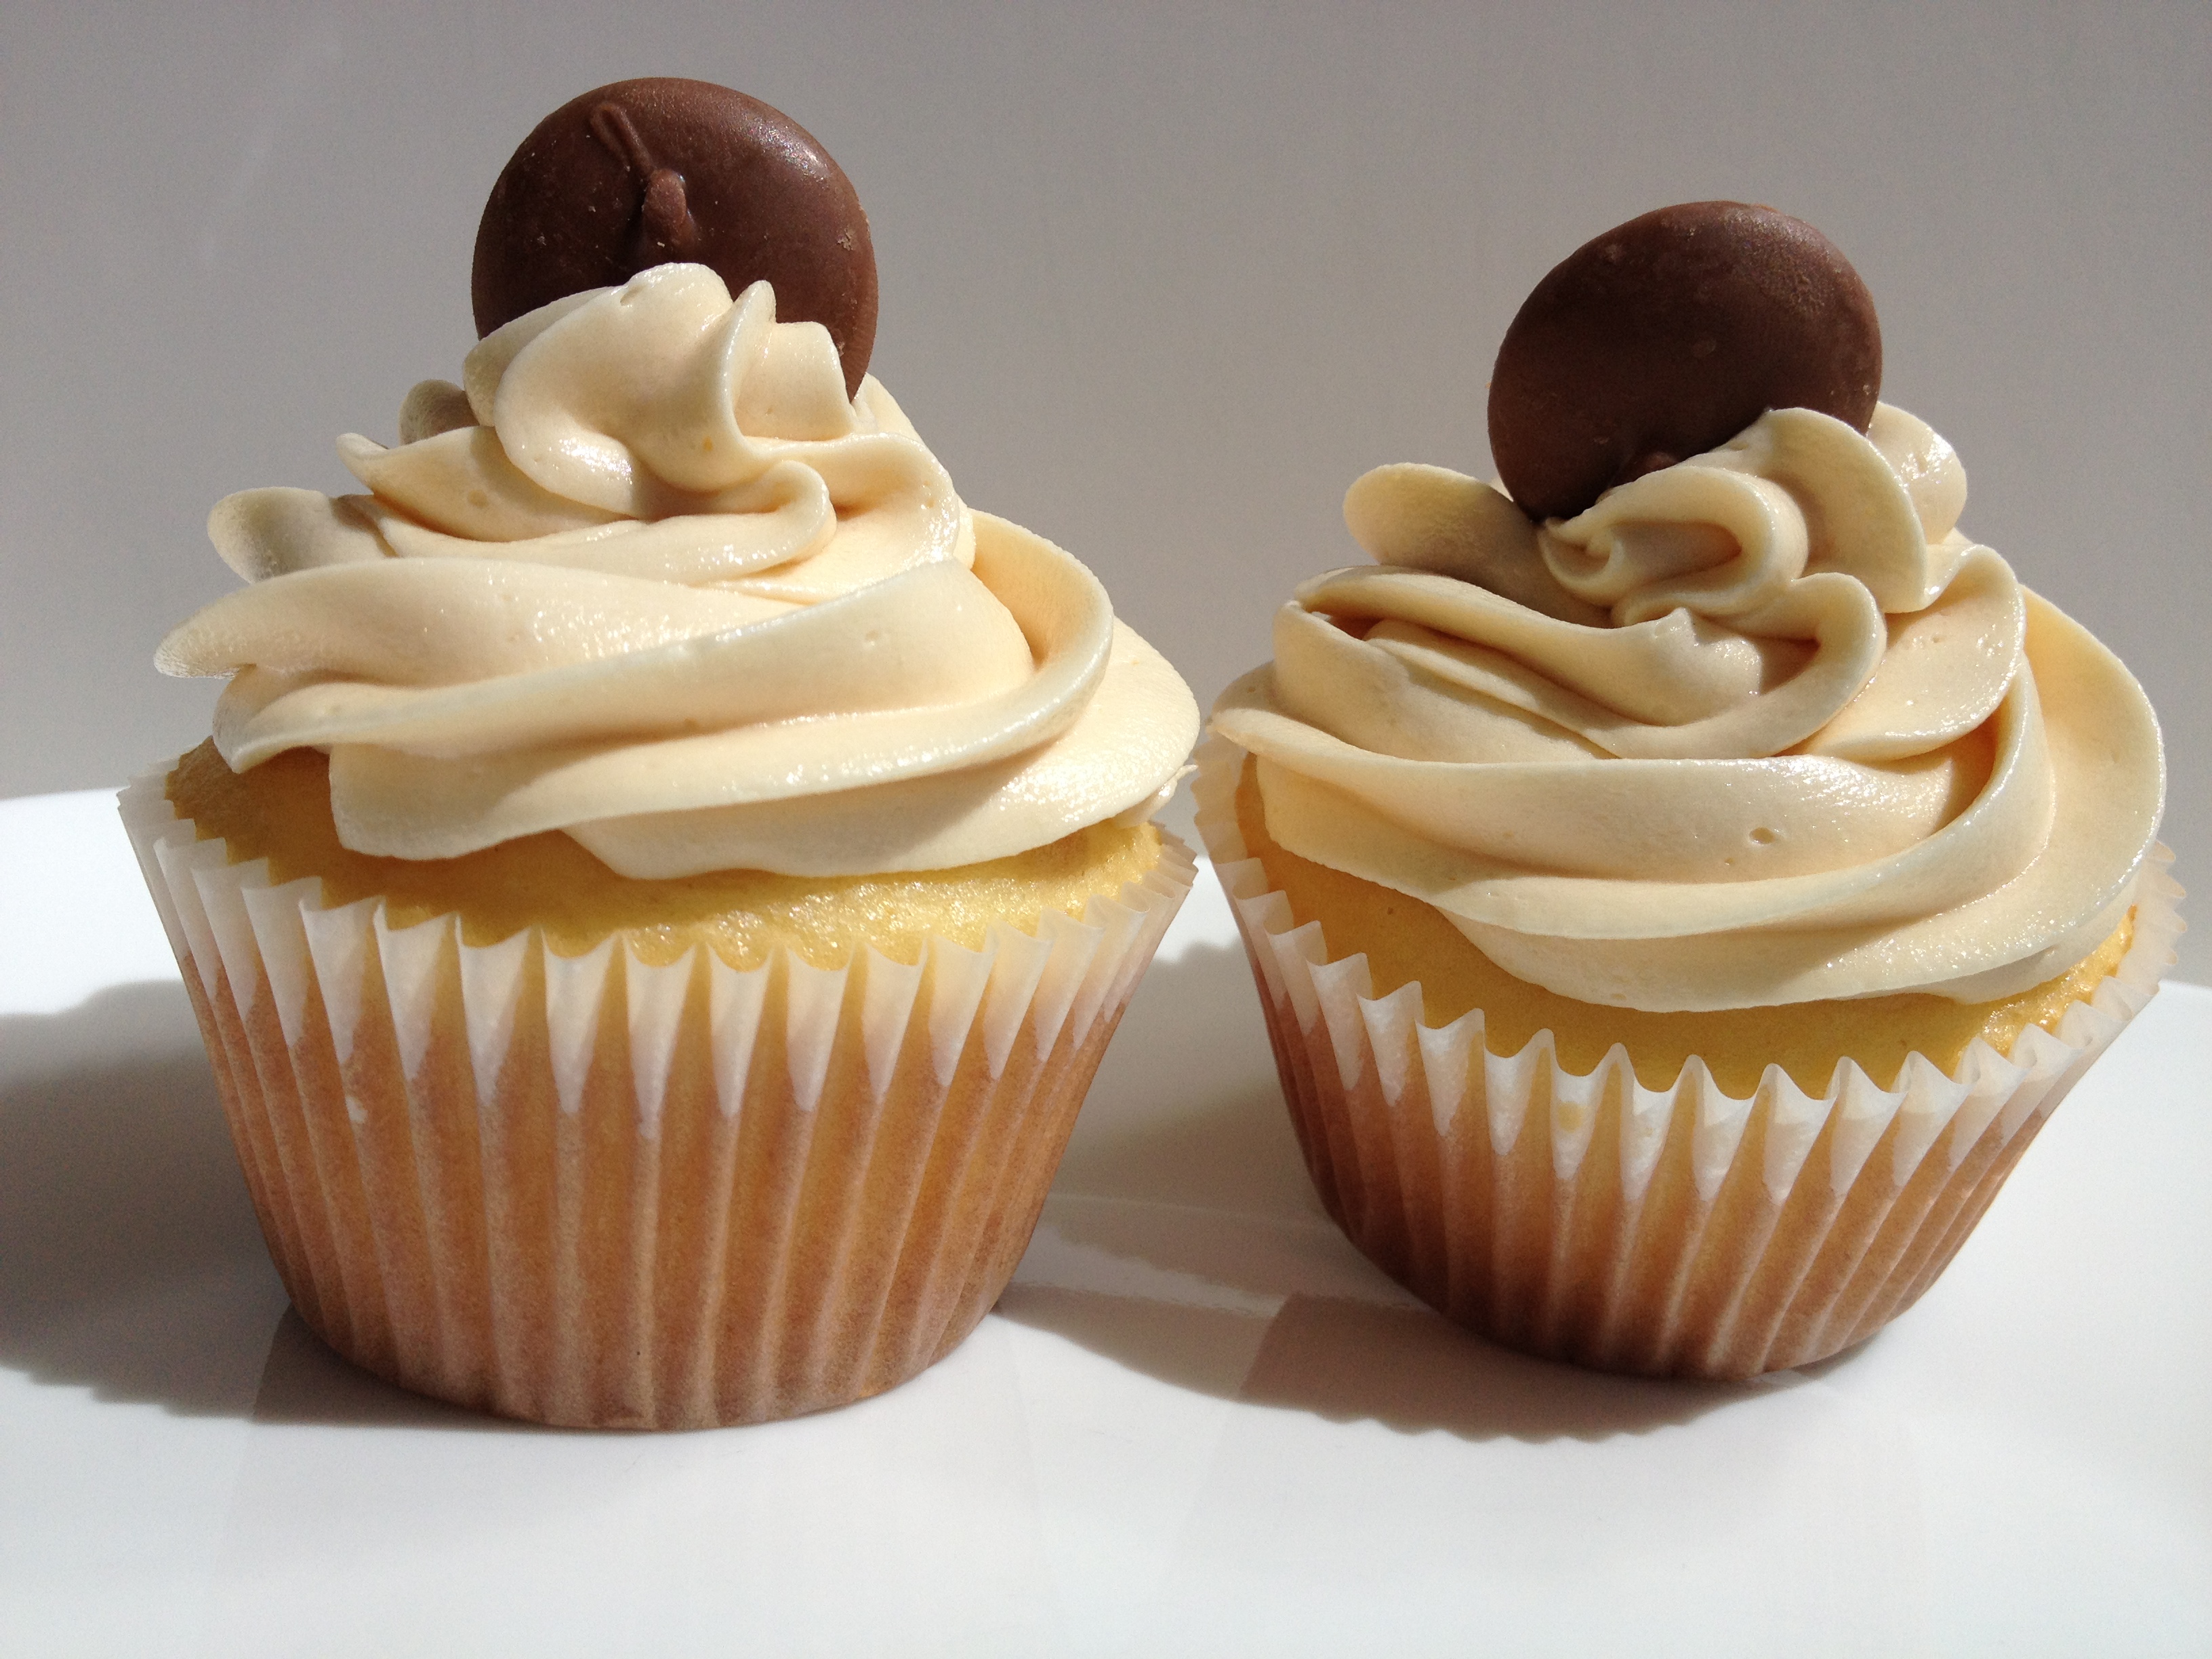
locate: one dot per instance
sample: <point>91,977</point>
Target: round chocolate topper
<point>642,172</point>
<point>1668,336</point>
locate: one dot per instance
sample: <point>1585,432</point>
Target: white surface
<point>1198,1424</point>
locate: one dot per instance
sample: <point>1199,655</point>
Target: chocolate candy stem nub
<point>665,230</point>
<point>645,173</point>
<point>1668,336</point>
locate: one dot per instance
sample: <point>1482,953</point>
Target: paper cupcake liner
<point>591,1191</point>
<point>1669,1231</point>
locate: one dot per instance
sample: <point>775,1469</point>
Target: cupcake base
<point>1677,1230</point>
<point>595,1192</point>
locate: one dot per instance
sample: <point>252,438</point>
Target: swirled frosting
<point>648,576</point>
<point>1759,728</point>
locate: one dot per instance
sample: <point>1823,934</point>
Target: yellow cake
<point>280,811</point>
<point>1407,942</point>
<point>1677,907</point>
<point>664,870</point>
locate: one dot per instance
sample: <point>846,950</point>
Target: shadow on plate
<point>130,1261</point>
<point>304,1382</point>
<point>1350,1360</point>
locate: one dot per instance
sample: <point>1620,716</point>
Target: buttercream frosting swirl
<point>1759,728</point>
<point>648,577</point>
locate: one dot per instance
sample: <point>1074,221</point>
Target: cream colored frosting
<point>1759,728</point>
<point>648,577</point>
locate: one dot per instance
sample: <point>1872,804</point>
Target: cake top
<point>1709,704</point>
<point>667,571</point>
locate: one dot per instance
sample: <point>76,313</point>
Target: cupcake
<point>664,870</point>
<point>1682,876</point>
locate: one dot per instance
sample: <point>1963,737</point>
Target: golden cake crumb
<point>280,811</point>
<point>1407,940</point>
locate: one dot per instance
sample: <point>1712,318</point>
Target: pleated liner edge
<point>1664,1231</point>
<point>594,1192</point>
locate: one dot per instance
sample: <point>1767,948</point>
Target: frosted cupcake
<point>666,870</point>
<point>1676,912</point>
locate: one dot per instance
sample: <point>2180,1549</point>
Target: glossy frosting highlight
<point>1762,726</point>
<point>648,577</point>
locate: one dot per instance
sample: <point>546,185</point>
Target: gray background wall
<point>1159,280</point>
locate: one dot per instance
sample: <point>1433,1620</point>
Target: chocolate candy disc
<point>642,172</point>
<point>1668,336</point>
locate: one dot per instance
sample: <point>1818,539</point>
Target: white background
<point>1159,280</point>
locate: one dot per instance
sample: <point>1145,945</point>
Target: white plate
<point>1198,1424</point>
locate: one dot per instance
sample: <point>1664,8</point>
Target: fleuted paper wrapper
<point>1673,1232</point>
<point>590,1191</point>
